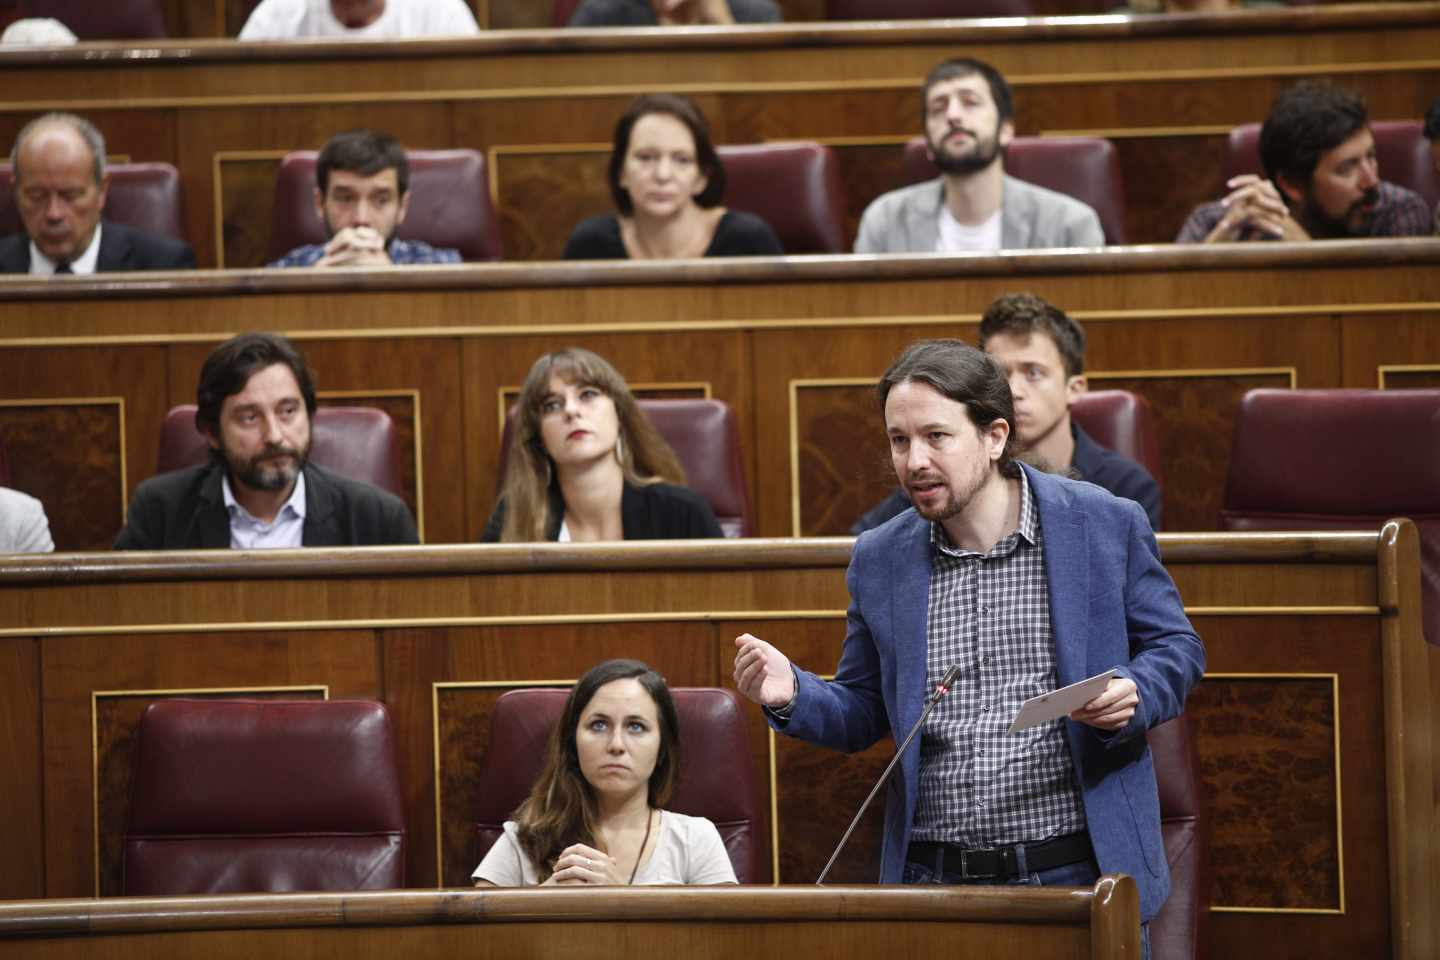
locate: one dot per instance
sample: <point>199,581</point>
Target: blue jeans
<point>1081,874</point>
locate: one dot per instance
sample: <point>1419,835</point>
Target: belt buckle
<point>965,873</point>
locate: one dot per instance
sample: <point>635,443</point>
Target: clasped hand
<point>1254,202</point>
<point>578,864</point>
<point>355,247</point>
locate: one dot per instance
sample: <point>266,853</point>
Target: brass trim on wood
<point>1388,368</point>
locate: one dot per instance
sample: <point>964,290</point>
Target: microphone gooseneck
<point>941,688</point>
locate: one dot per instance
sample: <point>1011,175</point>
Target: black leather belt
<point>1000,864</point>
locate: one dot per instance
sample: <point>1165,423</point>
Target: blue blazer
<point>1111,605</point>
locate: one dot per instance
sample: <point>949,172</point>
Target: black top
<point>185,510</point>
<point>1099,465</point>
<point>650,511</point>
<point>738,234</point>
<point>639,13</point>
<point>121,248</point>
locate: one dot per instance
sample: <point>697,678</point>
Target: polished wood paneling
<point>187,102</point>
<point>116,720</point>
<point>21,802</point>
<point>70,455</point>
<point>713,922</point>
<point>1278,609</point>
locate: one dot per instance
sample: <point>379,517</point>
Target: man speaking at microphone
<point>1027,582</point>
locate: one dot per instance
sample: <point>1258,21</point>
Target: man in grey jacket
<point>969,116</point>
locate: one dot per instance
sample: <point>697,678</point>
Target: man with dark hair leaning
<point>1321,180</point>
<point>58,162</point>
<point>1043,352</point>
<point>1022,582</point>
<point>255,405</point>
<point>968,115</point>
<point>362,193</point>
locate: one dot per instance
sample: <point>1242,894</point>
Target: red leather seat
<point>1122,421</point>
<point>1401,149</point>
<point>1340,460</point>
<point>355,442</point>
<point>925,9</point>
<point>272,796</point>
<point>1181,930</point>
<point>449,204</point>
<point>1086,168</point>
<point>717,778</point>
<point>794,187</point>
<point>112,20</point>
<point>142,195</point>
<point>704,436</point>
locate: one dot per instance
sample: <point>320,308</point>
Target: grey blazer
<point>908,220</point>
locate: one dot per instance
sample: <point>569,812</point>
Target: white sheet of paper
<point>1058,703</point>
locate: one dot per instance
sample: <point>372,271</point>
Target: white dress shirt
<point>287,530</point>
<point>83,265</point>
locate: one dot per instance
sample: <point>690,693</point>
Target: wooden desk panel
<point>1102,922</point>
<point>1316,666</point>
<point>209,106</point>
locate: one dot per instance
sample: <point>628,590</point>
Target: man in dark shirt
<point>255,404</point>
<point>1043,351</point>
<point>1321,182</point>
<point>673,13</point>
<point>60,187</point>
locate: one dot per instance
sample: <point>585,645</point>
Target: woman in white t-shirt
<point>594,815</point>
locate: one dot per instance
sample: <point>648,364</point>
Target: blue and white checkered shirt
<point>990,614</point>
<point>402,252</point>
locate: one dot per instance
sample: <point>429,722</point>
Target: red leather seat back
<point>562,11</point>
<point>111,20</point>
<point>1086,168</point>
<point>794,187</point>
<point>1401,149</point>
<point>1181,930</point>
<point>240,796</point>
<point>1122,421</point>
<point>355,442</point>
<point>450,204</point>
<point>925,9</point>
<point>706,439</point>
<point>1340,460</point>
<point>717,778</point>
<point>145,196</point>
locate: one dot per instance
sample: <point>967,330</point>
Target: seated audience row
<point>1317,149</point>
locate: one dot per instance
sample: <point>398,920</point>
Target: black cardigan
<point>651,511</point>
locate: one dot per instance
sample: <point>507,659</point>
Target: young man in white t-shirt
<point>359,19</point>
<point>969,116</point>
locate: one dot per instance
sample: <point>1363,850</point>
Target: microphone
<point>941,688</point>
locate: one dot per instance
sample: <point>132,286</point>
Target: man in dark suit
<point>254,404</point>
<point>60,188</point>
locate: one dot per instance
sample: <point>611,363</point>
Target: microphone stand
<point>941,688</point>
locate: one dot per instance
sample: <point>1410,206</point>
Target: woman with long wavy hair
<point>585,464</point>
<point>595,815</point>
